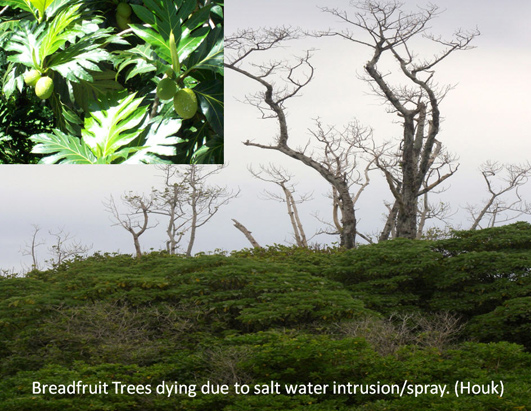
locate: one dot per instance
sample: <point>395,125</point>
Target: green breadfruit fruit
<point>166,89</point>
<point>185,103</point>
<point>122,22</point>
<point>124,10</point>
<point>31,77</point>
<point>44,88</point>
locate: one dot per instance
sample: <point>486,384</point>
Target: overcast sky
<point>486,117</point>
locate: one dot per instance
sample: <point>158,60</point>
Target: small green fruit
<point>185,103</point>
<point>122,22</point>
<point>166,89</point>
<point>31,77</point>
<point>124,10</point>
<point>44,88</point>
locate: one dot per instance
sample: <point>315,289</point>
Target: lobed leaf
<point>65,149</point>
<point>209,55</point>
<point>59,31</point>
<point>210,96</point>
<point>18,4</point>
<point>113,123</point>
<point>159,139</point>
<point>41,5</point>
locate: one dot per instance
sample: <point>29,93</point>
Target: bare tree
<point>440,211</point>
<point>390,31</point>
<point>65,247</point>
<point>389,160</point>
<point>169,202</point>
<point>500,180</point>
<point>281,177</point>
<point>272,104</point>
<point>188,201</point>
<point>341,154</point>
<point>204,201</point>
<point>31,248</point>
<point>136,220</point>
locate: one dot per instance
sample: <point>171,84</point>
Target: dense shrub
<point>380,314</point>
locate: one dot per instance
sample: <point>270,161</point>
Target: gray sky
<point>486,117</point>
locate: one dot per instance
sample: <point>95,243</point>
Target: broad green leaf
<point>19,4</point>
<point>189,43</point>
<point>73,123</point>
<point>59,31</point>
<point>147,16</point>
<point>25,43</point>
<point>167,18</point>
<point>102,83</point>
<point>64,148</point>
<point>209,55</point>
<point>186,7</point>
<point>210,96</point>
<point>41,6</point>
<point>198,19</point>
<point>151,37</point>
<point>7,28</point>
<point>217,14</point>
<point>13,79</point>
<point>159,139</point>
<point>78,61</point>
<point>210,153</point>
<point>58,5</point>
<point>142,58</point>
<point>113,123</point>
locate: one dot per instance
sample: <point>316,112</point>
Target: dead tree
<point>31,249</point>
<point>341,153</point>
<point>203,201</point>
<point>246,233</point>
<point>441,166</point>
<point>240,48</point>
<point>136,220</point>
<point>281,177</point>
<point>169,201</point>
<point>65,247</point>
<point>390,30</point>
<point>188,201</point>
<point>510,178</point>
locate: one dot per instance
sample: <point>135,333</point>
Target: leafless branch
<point>246,233</point>
<point>501,179</point>
<point>389,29</point>
<point>136,220</point>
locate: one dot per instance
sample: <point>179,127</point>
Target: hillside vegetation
<point>429,312</point>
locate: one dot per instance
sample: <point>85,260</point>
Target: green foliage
<point>391,276</point>
<point>19,119</point>
<point>90,65</point>
<point>285,315</point>
<point>117,131</point>
<point>470,274</point>
<point>510,321</point>
<point>178,41</point>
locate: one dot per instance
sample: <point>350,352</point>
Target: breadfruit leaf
<point>209,55</point>
<point>64,149</point>
<point>19,4</point>
<point>210,96</point>
<point>113,123</point>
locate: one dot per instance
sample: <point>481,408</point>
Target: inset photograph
<point>111,82</point>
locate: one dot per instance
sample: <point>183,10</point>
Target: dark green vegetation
<point>78,81</point>
<point>430,312</point>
